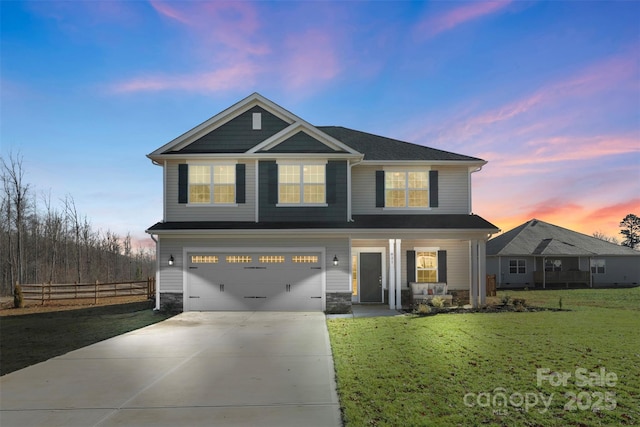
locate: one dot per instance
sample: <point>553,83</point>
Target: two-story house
<point>264,211</point>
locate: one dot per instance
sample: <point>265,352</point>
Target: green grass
<point>416,371</point>
<point>33,338</point>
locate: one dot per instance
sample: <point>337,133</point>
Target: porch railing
<point>561,277</point>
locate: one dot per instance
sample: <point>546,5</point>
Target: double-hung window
<point>406,189</point>
<point>517,266</point>
<point>301,184</point>
<point>427,265</point>
<point>598,266</point>
<point>212,184</point>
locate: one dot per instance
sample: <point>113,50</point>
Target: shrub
<point>437,302</point>
<point>506,299</point>
<point>519,302</point>
<point>423,309</point>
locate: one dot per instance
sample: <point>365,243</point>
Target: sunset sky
<point>547,92</point>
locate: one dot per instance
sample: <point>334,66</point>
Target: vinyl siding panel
<point>337,277</point>
<point>453,191</point>
<point>182,212</point>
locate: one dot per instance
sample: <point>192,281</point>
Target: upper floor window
<point>406,189</point>
<point>301,184</point>
<point>212,184</point>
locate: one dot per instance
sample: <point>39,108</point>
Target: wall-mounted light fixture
<point>335,260</point>
<point>171,260</point>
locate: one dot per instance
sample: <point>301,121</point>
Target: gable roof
<point>289,134</point>
<point>375,147</point>
<point>539,238</point>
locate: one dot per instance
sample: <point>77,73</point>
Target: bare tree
<point>600,235</point>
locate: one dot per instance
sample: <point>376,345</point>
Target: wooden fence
<point>45,292</point>
<point>491,285</point>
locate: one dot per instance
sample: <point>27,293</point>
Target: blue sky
<point>547,92</point>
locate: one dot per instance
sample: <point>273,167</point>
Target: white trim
<point>392,276</point>
<point>164,191</point>
<point>406,171</point>
<point>257,187</point>
<point>212,165</point>
<point>424,162</point>
<point>313,132</point>
<point>256,121</point>
<point>398,273</point>
<point>251,250</point>
<point>302,205</point>
<point>301,164</point>
<point>408,168</point>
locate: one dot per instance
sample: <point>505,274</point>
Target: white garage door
<point>254,281</point>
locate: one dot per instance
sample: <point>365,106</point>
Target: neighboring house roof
<point>375,147</point>
<point>425,222</point>
<point>540,238</point>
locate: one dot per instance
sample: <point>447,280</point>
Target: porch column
<point>482,270</point>
<point>398,274</point>
<point>392,276</point>
<point>473,291</point>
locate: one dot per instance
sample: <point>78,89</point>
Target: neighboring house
<point>263,211</point>
<point>543,255</point>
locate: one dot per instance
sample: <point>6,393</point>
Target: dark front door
<point>370,277</point>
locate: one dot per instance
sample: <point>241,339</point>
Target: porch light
<point>335,260</point>
<point>171,260</point>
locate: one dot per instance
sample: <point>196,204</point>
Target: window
<point>271,259</point>
<point>238,259</point>
<point>301,184</point>
<point>553,265</point>
<point>212,184</point>
<point>427,266</point>
<point>204,259</point>
<point>517,266</point>
<point>597,266</point>
<point>304,259</point>
<point>406,189</point>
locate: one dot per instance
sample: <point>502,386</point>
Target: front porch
<point>381,269</point>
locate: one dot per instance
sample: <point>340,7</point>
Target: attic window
<point>257,121</point>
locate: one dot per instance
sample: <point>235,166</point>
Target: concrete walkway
<point>368,310</point>
<point>195,369</point>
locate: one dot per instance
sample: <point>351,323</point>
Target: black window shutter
<point>241,187</point>
<point>411,266</point>
<point>433,189</point>
<point>272,183</point>
<point>332,182</point>
<point>442,266</point>
<point>379,189</point>
<point>183,183</point>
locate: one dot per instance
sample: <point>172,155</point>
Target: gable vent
<point>257,121</point>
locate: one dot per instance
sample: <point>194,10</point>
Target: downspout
<point>157,306</point>
<point>469,186</point>
<point>351,165</point>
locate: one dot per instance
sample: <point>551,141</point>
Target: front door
<point>371,277</point>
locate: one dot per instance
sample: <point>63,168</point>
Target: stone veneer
<point>338,302</point>
<point>171,302</point>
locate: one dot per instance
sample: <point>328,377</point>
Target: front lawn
<point>483,368</point>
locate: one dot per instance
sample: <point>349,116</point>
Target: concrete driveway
<point>195,369</point>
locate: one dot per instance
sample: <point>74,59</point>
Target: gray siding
<point>453,191</point>
<point>182,212</point>
<point>337,276</point>
<point>237,136</point>
<point>336,211</point>
<point>301,142</point>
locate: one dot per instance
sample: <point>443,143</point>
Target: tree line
<point>44,241</point>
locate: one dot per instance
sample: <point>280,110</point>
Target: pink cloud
<point>434,25</point>
<point>311,59</point>
<point>238,76</point>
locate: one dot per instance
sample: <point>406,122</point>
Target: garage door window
<point>238,259</point>
<point>204,259</point>
<point>271,259</point>
<point>305,259</point>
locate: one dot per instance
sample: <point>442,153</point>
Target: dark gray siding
<point>336,196</point>
<point>301,142</point>
<point>237,136</point>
